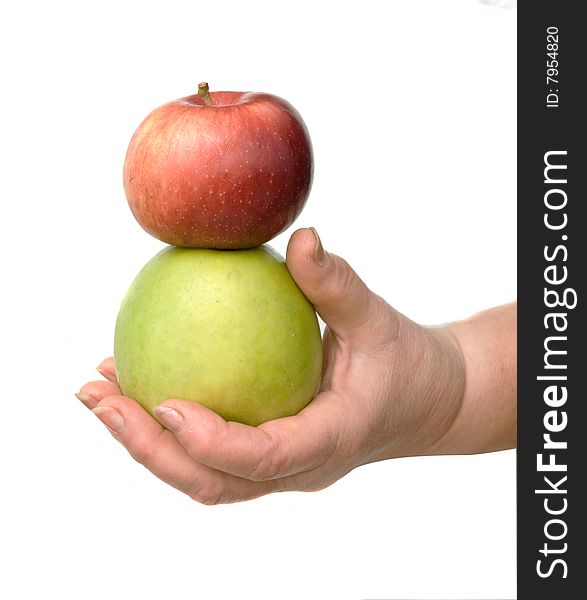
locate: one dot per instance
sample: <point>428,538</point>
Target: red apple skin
<point>233,174</point>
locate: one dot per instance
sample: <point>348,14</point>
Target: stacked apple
<point>216,318</point>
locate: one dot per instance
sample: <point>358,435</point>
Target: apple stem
<point>204,93</point>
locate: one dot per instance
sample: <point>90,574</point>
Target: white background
<point>411,109</point>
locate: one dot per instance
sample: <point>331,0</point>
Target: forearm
<point>486,421</point>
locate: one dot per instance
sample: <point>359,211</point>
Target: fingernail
<point>110,417</point>
<point>319,255</point>
<point>86,399</point>
<point>105,374</point>
<point>169,417</point>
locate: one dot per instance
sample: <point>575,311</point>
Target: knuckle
<point>209,495</point>
<point>271,464</point>
<point>345,275</point>
<point>143,449</point>
<point>329,445</point>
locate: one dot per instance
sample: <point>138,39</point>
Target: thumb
<point>338,294</point>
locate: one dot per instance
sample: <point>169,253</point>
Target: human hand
<point>390,388</point>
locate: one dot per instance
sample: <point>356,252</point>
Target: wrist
<point>447,384</point>
<point>429,389</point>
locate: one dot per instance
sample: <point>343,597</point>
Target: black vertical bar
<point>552,123</point>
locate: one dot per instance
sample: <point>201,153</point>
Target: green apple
<point>229,329</point>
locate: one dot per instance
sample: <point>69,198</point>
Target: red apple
<point>219,169</point>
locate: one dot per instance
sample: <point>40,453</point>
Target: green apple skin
<point>229,329</point>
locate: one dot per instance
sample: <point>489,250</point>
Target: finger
<point>270,451</point>
<point>341,298</point>
<point>107,369</point>
<point>92,392</point>
<point>159,451</point>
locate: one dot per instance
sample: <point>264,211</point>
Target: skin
<point>390,388</point>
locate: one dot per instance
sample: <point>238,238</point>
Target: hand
<point>390,388</point>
